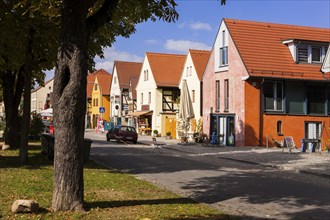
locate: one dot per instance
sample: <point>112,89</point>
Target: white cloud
<point>111,54</point>
<point>196,26</point>
<point>200,26</point>
<point>185,45</point>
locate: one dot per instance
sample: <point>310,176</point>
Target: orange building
<point>265,83</point>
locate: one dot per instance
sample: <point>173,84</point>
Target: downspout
<point>261,121</point>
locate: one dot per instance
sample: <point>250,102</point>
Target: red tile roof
<point>132,88</point>
<point>261,48</point>
<point>125,70</point>
<point>200,59</point>
<point>91,80</point>
<point>166,68</point>
<point>105,83</point>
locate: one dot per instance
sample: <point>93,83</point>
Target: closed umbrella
<point>186,111</point>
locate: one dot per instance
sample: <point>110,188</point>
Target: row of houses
<point>260,82</point>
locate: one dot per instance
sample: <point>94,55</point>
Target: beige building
<point>41,97</point>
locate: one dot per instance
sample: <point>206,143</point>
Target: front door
<point>223,128</point>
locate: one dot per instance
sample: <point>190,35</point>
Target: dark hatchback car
<point>122,132</point>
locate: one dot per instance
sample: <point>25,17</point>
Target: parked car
<point>122,132</point>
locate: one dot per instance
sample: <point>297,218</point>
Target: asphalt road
<point>236,188</point>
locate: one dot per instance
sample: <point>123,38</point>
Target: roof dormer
<point>303,51</point>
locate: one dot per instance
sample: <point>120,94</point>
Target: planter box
<point>48,143</point>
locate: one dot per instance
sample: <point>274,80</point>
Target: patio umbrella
<point>47,112</point>
<point>186,111</point>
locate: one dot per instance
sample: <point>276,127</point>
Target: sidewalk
<point>317,163</point>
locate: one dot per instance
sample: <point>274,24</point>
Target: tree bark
<point>25,126</point>
<point>70,107</point>
<point>12,85</point>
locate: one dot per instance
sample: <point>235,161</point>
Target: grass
<point>108,193</point>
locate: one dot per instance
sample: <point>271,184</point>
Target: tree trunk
<point>12,85</point>
<point>70,107</point>
<point>25,126</point>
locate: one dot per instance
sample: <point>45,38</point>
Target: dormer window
<point>310,53</point>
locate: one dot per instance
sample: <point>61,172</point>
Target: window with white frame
<point>146,75</point>
<point>115,80</point>
<point>149,97</point>
<point>273,96</point>
<point>187,71</point>
<point>223,50</point>
<point>141,98</point>
<point>190,70</point>
<point>311,53</point>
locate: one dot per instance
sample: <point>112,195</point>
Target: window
<point>273,96</point>
<point>115,80</point>
<point>226,94</point>
<point>193,96</point>
<point>279,127</point>
<point>146,75</point>
<point>316,99</point>
<point>316,54</point>
<point>223,56</point>
<point>295,97</point>
<point>303,53</point>
<point>217,95</point>
<point>187,72</point>
<point>190,70</point>
<point>95,87</point>
<point>149,97</point>
<point>311,53</point>
<point>170,100</point>
<point>96,102</point>
<point>223,50</point>
<point>141,98</point>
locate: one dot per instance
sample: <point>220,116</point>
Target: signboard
<point>102,110</point>
<point>145,107</point>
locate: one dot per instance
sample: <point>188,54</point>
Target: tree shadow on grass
<point>125,203</point>
<point>169,201</point>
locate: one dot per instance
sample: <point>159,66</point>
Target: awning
<point>140,113</point>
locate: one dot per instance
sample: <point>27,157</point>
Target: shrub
<point>168,133</point>
<point>36,126</point>
<point>155,131</point>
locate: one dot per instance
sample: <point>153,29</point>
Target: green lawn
<point>108,193</point>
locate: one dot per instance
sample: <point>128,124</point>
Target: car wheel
<point>134,141</point>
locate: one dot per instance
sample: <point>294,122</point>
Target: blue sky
<point>198,23</point>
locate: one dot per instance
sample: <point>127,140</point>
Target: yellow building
<point>99,97</point>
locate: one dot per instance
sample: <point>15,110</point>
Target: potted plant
<point>168,135</point>
<point>155,133</point>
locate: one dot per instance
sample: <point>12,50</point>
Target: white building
<point>41,97</point>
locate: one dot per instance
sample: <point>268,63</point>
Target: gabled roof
<point>125,70</point>
<point>39,87</point>
<point>91,80</point>
<point>105,83</point>
<point>132,87</point>
<point>200,59</point>
<point>261,48</point>
<point>166,68</point>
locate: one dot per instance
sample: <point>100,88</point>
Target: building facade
<point>265,82</point>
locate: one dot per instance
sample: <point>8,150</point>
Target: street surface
<point>236,188</point>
